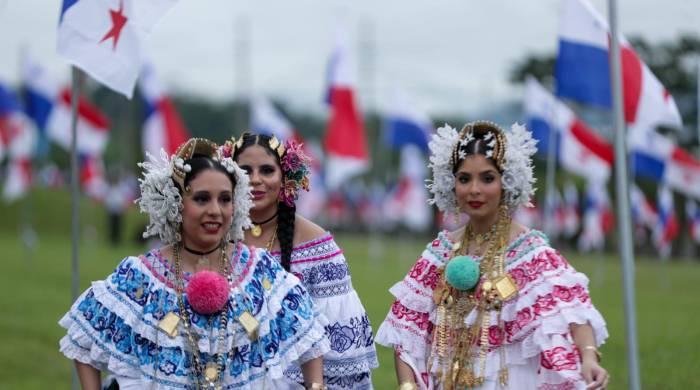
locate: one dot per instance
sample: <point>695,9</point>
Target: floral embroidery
<point>559,359</point>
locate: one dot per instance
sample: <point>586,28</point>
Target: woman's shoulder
<point>306,230</point>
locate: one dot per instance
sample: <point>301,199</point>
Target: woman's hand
<point>595,376</point>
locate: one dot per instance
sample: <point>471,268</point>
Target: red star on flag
<point>118,22</point>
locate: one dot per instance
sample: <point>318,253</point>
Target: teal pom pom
<point>462,273</point>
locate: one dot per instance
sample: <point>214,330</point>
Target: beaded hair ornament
<point>510,151</point>
<point>294,163</point>
<point>161,200</point>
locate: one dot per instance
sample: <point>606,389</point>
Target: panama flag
<point>104,37</point>
<point>163,128</point>
<point>18,138</point>
<point>408,201</point>
<point>657,157</point>
<point>571,216</point>
<point>18,135</point>
<point>598,219</point>
<point>18,180</point>
<point>643,212</point>
<point>667,228</point>
<point>583,70</point>
<point>579,149</point>
<point>345,141</point>
<point>49,105</point>
<point>406,124</point>
<point>92,177</point>
<point>693,214</point>
<point>266,119</point>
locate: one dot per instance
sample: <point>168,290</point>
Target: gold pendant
<point>266,284</point>
<point>169,324</point>
<point>202,263</point>
<point>139,293</point>
<point>505,286</point>
<point>256,231</point>
<point>211,373</point>
<point>250,324</point>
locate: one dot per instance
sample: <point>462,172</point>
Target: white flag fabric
<point>105,37</point>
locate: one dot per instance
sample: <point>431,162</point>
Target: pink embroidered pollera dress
<point>539,349</point>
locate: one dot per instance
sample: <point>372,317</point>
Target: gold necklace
<point>208,377</point>
<point>256,230</point>
<point>454,344</point>
<point>271,243</point>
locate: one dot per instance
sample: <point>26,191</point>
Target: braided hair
<point>285,214</point>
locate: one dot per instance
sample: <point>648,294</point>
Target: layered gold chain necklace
<point>210,375</point>
<point>454,343</point>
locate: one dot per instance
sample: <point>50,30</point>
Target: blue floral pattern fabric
<point>113,326</point>
<point>322,269</point>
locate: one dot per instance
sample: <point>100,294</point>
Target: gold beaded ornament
<point>497,150</point>
<point>186,151</point>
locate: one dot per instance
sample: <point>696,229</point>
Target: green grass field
<point>36,293</point>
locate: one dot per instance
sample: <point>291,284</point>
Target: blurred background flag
<point>693,215</point>
<point>104,38</point>
<point>644,213</point>
<point>583,72</point>
<point>48,105</point>
<point>579,149</point>
<point>18,135</point>
<point>572,216</point>
<point>406,124</point>
<point>266,119</point>
<point>598,218</point>
<point>407,203</point>
<point>163,127</point>
<point>655,156</point>
<point>345,141</point>
<point>92,177</point>
<point>18,180</point>
<point>667,228</point>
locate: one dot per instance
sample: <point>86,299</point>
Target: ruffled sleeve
<point>408,326</point>
<point>552,295</point>
<point>323,270</point>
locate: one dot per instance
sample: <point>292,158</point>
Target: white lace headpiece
<point>161,200</point>
<point>511,151</point>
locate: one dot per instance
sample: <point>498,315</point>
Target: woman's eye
<point>463,179</point>
<point>489,179</point>
<point>267,170</point>
<point>226,199</point>
<point>201,198</point>
<point>247,170</point>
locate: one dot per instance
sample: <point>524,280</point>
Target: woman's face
<point>207,210</point>
<point>478,187</point>
<point>265,176</point>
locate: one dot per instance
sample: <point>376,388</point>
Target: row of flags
<point>105,40</point>
<point>583,75</point>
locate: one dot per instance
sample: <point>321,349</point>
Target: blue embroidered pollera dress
<point>113,326</point>
<point>322,268</point>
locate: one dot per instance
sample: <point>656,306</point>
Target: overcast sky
<point>450,56</point>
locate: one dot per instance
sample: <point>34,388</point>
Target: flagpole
<point>75,215</point>
<point>242,74</point>
<point>622,200</point>
<point>698,107</point>
<point>550,185</point>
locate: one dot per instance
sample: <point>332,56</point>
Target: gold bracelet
<point>316,386</point>
<point>408,385</point>
<point>595,350</point>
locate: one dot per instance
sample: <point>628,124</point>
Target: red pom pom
<point>207,292</point>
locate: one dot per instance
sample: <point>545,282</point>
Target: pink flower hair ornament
<point>295,172</point>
